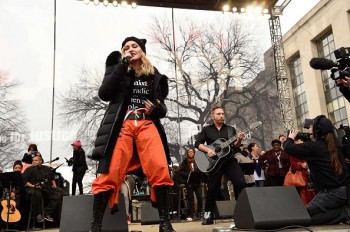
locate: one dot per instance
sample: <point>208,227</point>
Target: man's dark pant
<point>197,190</point>
<point>50,195</point>
<point>274,180</point>
<point>77,179</point>
<point>234,173</point>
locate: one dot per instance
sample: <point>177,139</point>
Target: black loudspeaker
<point>224,209</point>
<point>149,215</point>
<point>270,208</point>
<point>77,214</point>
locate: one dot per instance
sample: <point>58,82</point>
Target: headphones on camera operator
<point>316,127</point>
<point>321,126</point>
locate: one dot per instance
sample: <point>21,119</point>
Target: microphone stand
<point>96,166</point>
<point>54,169</point>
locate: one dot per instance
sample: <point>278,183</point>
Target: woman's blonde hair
<point>146,68</point>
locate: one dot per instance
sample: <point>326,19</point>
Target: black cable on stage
<point>283,228</point>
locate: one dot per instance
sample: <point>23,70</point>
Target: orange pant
<point>151,157</point>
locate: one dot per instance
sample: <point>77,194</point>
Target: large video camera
<point>304,136</point>
<point>339,69</point>
<point>342,135</point>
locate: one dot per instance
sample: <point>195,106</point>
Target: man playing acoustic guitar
<point>228,165</point>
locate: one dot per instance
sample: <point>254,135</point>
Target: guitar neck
<point>230,140</point>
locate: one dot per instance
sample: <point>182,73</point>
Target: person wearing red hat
<point>328,171</point>
<point>131,136</point>
<point>78,161</point>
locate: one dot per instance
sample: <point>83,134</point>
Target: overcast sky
<point>294,11</point>
<point>85,35</point>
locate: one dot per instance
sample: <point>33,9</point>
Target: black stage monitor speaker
<point>225,209</point>
<point>77,214</point>
<point>149,215</point>
<point>270,208</point>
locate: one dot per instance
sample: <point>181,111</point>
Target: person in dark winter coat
<point>328,170</point>
<point>276,161</point>
<point>187,166</point>
<point>131,136</point>
<point>78,161</point>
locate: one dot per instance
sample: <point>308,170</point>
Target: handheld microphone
<point>322,63</point>
<point>126,59</point>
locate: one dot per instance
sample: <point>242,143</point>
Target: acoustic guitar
<point>9,210</point>
<point>210,165</point>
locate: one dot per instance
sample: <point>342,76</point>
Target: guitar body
<point>10,211</point>
<point>210,165</point>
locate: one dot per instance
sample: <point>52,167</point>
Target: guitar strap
<point>230,135</point>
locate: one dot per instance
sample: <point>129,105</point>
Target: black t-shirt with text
<point>140,92</point>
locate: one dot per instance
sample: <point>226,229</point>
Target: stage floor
<point>196,226</point>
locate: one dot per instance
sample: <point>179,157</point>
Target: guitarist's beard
<point>220,121</point>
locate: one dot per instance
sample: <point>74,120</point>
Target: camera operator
<point>329,172</point>
<point>344,87</point>
<point>40,182</point>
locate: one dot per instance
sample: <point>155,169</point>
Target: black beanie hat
<point>140,42</point>
<point>322,126</point>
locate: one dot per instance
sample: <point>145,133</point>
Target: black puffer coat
<point>116,88</point>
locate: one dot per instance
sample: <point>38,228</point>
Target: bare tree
<point>13,132</point>
<point>214,64</point>
<point>258,101</point>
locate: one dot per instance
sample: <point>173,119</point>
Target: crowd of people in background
<point>268,169</point>
<point>321,164</point>
<point>259,169</point>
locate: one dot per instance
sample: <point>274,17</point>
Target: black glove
<point>113,58</point>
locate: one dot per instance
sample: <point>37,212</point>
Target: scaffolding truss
<point>283,90</point>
